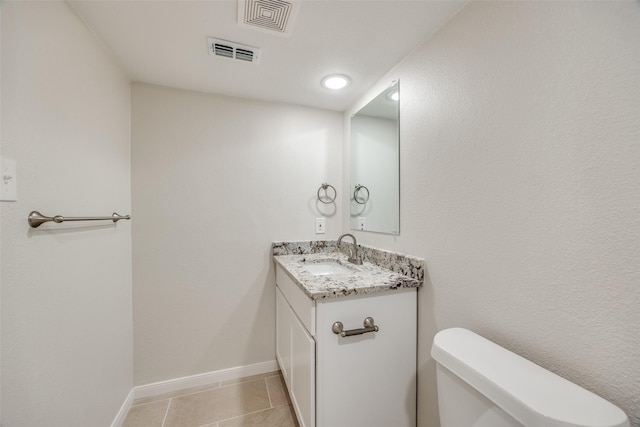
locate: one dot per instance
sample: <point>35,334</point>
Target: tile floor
<point>260,400</point>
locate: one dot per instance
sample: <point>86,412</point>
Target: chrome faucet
<point>353,254</point>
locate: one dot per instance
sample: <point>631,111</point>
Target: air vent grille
<point>233,50</point>
<point>274,16</point>
<point>244,55</point>
<point>223,50</point>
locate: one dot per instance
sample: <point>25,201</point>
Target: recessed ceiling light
<point>394,96</point>
<point>336,81</point>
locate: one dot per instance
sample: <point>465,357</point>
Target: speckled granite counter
<point>368,278</point>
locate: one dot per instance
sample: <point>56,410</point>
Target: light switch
<point>8,180</point>
<point>319,225</point>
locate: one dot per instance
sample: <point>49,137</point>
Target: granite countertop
<point>367,278</point>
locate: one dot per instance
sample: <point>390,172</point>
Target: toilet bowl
<point>481,384</point>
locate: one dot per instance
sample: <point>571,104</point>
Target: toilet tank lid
<point>529,393</point>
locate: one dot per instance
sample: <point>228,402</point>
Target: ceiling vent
<point>233,50</point>
<point>273,16</point>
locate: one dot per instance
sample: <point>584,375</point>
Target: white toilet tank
<point>481,384</point>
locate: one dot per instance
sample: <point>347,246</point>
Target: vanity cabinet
<point>353,381</point>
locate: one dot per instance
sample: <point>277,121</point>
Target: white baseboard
<point>204,379</point>
<point>176,384</point>
<point>124,409</point>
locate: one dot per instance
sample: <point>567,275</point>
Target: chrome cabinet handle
<point>369,326</point>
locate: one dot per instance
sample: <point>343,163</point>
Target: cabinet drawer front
<point>302,305</point>
<point>369,379</point>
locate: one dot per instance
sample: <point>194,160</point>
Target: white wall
<point>520,146</point>
<point>66,289</point>
<point>215,181</point>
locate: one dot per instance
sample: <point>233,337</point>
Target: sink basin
<point>325,268</point>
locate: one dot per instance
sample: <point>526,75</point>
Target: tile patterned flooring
<point>259,400</point>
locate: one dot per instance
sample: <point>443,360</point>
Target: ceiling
<point>165,43</point>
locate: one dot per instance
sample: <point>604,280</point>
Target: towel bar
<point>36,219</point>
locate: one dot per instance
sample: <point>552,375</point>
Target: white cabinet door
<point>296,354</point>
<point>367,380</point>
<point>283,336</point>
<point>303,373</point>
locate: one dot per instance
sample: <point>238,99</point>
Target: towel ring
<point>329,199</point>
<point>355,194</point>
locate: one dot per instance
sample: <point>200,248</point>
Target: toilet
<point>481,384</point>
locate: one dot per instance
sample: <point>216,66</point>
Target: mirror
<point>375,164</point>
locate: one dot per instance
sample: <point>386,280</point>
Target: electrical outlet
<point>362,223</point>
<point>320,225</point>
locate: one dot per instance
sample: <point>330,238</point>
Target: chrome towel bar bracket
<point>369,326</point>
<point>36,219</point>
